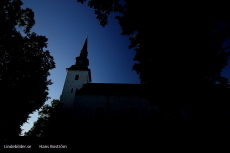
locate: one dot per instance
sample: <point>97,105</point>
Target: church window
<point>72,90</point>
<point>99,115</point>
<point>76,77</point>
<point>133,113</point>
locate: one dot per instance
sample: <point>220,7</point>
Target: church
<point>109,103</point>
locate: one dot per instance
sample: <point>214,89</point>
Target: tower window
<point>76,77</point>
<point>72,90</point>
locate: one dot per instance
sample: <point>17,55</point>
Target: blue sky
<point>66,23</point>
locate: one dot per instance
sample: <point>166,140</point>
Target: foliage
<point>178,48</point>
<point>24,66</point>
<point>40,126</point>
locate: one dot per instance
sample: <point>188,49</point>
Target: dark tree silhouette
<point>24,67</point>
<point>41,126</point>
<point>178,48</point>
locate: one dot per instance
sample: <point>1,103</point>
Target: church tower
<point>77,76</point>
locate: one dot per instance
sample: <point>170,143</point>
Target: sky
<point>66,24</point>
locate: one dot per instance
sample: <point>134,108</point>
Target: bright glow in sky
<point>66,23</point>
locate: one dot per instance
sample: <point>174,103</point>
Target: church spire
<point>82,62</point>
<point>84,48</point>
<point>77,75</point>
<point>84,52</point>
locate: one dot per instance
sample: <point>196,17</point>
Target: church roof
<point>114,89</point>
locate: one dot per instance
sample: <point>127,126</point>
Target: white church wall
<point>72,84</point>
<point>126,102</point>
<point>116,106</point>
<point>86,104</point>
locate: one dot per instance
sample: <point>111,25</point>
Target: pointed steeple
<point>82,62</point>
<point>84,48</point>
<point>84,52</point>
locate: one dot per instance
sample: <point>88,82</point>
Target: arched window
<point>72,90</point>
<point>99,115</point>
<point>76,77</point>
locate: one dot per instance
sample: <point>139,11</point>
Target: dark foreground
<point>135,138</point>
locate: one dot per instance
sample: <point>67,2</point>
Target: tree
<point>178,49</point>
<point>41,126</point>
<point>53,125</point>
<point>24,66</point>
